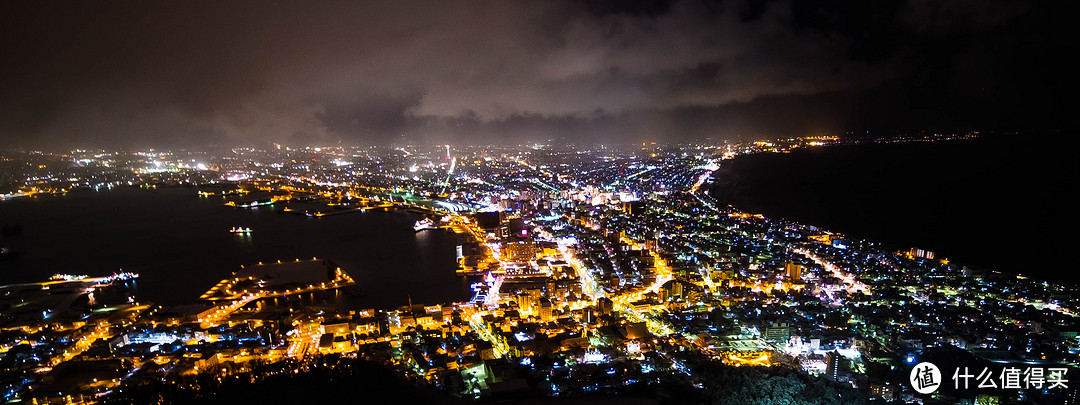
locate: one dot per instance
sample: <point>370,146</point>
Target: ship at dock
<point>424,224</point>
<point>240,230</point>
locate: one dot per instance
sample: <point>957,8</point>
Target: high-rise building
<point>676,289</point>
<point>589,315</point>
<point>487,220</point>
<point>520,251</point>
<point>793,271</point>
<point>545,310</point>
<point>605,305</point>
<point>516,226</point>
<point>832,364</point>
<point>526,302</point>
<point>916,253</point>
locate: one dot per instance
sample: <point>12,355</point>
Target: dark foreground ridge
<point>330,379</point>
<point>336,379</point>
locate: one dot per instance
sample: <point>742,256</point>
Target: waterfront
<point>180,244</point>
<point>990,203</point>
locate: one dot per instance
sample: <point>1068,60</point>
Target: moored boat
<point>424,224</point>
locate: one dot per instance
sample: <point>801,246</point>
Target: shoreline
<point>985,223</point>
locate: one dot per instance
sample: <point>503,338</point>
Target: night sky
<point>180,73</point>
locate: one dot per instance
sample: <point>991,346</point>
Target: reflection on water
<point>181,245</point>
<point>115,293</point>
<point>328,298</point>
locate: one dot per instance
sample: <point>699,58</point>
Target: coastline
<point>986,203</point>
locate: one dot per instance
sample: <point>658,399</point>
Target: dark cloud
<point>135,72</point>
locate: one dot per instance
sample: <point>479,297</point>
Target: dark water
<point>180,245</point>
<point>1003,203</point>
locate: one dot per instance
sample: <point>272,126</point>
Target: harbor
<point>192,244</point>
<point>64,298</point>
